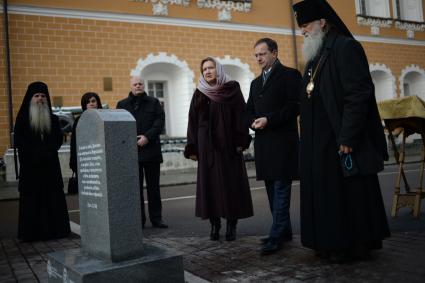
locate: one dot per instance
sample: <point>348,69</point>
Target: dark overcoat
<point>336,212</point>
<point>73,147</point>
<point>276,146</point>
<point>150,119</point>
<point>215,131</point>
<point>43,212</point>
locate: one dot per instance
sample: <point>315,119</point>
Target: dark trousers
<point>279,193</point>
<point>150,170</point>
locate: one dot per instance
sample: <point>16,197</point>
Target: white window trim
<point>385,69</point>
<point>409,26</point>
<point>398,17</point>
<point>366,20</point>
<point>407,70</point>
<point>359,12</point>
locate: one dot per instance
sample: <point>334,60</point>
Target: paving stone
<point>28,280</point>
<point>399,261</point>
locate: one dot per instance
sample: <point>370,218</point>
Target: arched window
<point>412,81</point>
<point>384,82</point>
<point>239,72</point>
<point>171,81</point>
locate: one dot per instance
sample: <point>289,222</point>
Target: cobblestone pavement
<point>401,260</point>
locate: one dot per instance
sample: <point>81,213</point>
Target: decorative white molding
<point>380,67</point>
<point>228,5</point>
<point>388,40</point>
<point>227,60</point>
<point>160,7</point>
<point>410,26</point>
<point>374,30</point>
<point>385,69</point>
<point>372,21</point>
<point>407,70</point>
<point>410,34</point>
<point>225,15</point>
<point>162,57</point>
<point>131,18</point>
<point>225,7</point>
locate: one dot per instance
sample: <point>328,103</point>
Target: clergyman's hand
<point>142,140</point>
<point>193,157</point>
<point>345,149</point>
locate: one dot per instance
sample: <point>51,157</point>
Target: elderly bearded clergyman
<point>43,213</point>
<point>342,143</point>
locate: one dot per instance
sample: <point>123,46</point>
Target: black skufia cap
<point>311,10</point>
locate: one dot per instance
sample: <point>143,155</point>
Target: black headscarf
<point>22,119</point>
<point>311,10</point>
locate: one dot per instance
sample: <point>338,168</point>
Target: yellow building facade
<point>87,45</point>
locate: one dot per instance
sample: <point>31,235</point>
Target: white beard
<point>312,45</point>
<point>40,118</point>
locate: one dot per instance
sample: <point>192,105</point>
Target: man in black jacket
<point>150,118</point>
<point>342,141</point>
<point>273,109</point>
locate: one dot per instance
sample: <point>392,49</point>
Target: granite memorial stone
<point>112,247</point>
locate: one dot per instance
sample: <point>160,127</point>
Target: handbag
<point>73,184</point>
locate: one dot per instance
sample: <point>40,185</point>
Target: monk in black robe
<point>342,145</point>
<point>216,137</point>
<point>43,213</point>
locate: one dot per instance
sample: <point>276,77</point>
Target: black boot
<point>215,228</point>
<point>231,230</point>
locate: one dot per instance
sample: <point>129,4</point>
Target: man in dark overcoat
<point>342,144</point>
<point>272,109</point>
<point>150,119</point>
<point>43,212</point>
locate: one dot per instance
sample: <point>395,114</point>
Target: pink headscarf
<point>215,92</point>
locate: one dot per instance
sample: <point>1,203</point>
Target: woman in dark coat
<point>89,100</point>
<point>43,213</point>
<point>216,137</point>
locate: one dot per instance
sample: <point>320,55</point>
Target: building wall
<point>4,126</point>
<point>74,55</point>
<point>273,13</point>
<point>263,12</point>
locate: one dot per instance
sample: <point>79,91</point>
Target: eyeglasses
<point>256,55</point>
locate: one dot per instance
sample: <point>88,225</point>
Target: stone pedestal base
<point>156,265</point>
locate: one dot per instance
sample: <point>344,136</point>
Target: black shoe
<point>159,224</point>
<point>284,238</point>
<point>339,257</point>
<point>322,254</point>
<point>215,229</point>
<point>359,252</point>
<point>271,247</point>
<point>231,230</point>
